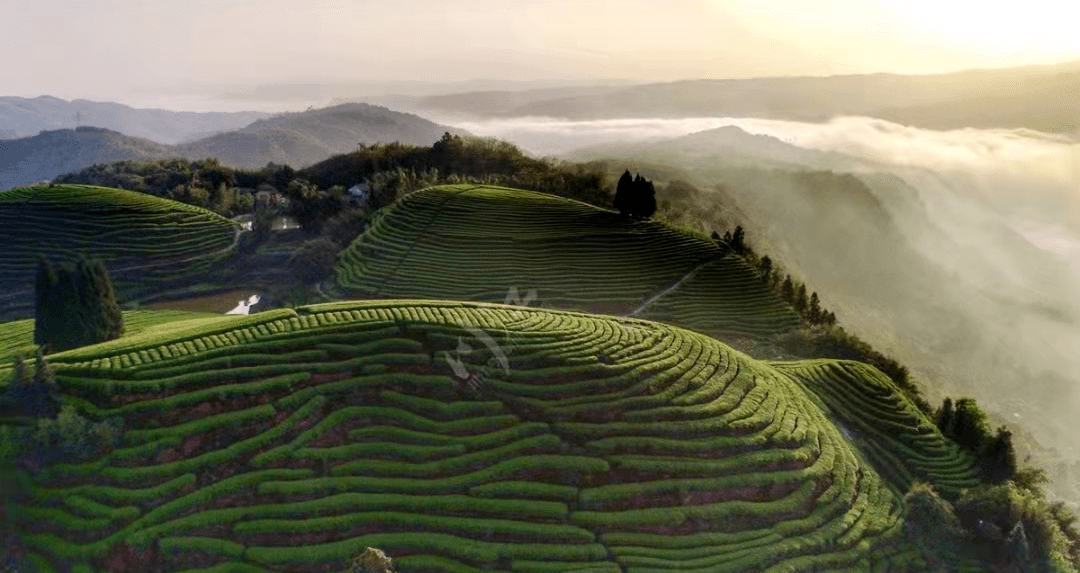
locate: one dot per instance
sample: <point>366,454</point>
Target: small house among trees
<point>360,194</point>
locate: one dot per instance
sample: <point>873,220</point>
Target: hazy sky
<point>90,48</point>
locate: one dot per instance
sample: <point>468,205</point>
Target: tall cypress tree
<point>766,269</point>
<point>814,312</point>
<point>738,240</point>
<point>945,418</point>
<point>645,204</point>
<point>623,193</point>
<point>106,294</point>
<point>76,306</point>
<point>800,299</point>
<point>44,284</point>
<point>999,461</point>
<point>65,309</point>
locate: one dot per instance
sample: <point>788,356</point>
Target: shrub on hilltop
<point>30,394</point>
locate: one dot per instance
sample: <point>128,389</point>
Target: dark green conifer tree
<point>766,268</point>
<point>105,321</point>
<point>945,417</point>
<point>788,290</point>
<point>44,283</point>
<point>1000,457</point>
<point>43,373</point>
<point>76,306</point>
<point>646,199</point>
<point>624,192</point>
<point>22,371</point>
<point>738,240</point>
<point>800,299</point>
<point>814,312</point>
<point>969,427</point>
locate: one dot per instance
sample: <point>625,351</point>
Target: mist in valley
<point>958,252</point>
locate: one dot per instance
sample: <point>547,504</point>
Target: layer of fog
<point>997,215</point>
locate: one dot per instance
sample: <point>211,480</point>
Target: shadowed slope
<point>142,238</point>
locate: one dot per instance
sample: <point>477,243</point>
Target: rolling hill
<point>17,336</point>
<point>295,139</point>
<point>144,240</point>
<point>50,153</point>
<point>471,242</point>
<point>24,117</point>
<point>300,139</point>
<point>551,441</point>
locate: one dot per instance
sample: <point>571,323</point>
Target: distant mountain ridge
<point>304,138</point>
<point>28,116</point>
<point>295,139</point>
<point>51,153</point>
<point>1042,98</point>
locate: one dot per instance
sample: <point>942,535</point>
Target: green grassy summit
<point>468,437</point>
<point>470,242</point>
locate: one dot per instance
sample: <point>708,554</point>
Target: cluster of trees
<point>966,424</point>
<point>737,243</point>
<point>31,394</point>
<point>457,159</point>
<point>203,183</point>
<point>311,206</point>
<point>1009,526</point>
<point>635,196</point>
<point>74,305</point>
<point>810,309</point>
<point>58,433</point>
<point>790,290</point>
<point>316,194</point>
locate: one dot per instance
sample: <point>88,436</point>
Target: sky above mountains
<point>115,48</point>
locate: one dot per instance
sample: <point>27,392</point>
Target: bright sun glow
<point>1006,28</point>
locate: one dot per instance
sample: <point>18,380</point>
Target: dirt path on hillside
<point>671,288</point>
<point>420,237</point>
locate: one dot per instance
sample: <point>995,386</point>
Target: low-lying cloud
<point>1001,214</point>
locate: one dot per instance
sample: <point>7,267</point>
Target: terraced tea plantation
<point>142,238</point>
<point>889,429</point>
<point>17,336</point>
<point>465,437</point>
<point>724,298</point>
<point>467,242</point>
